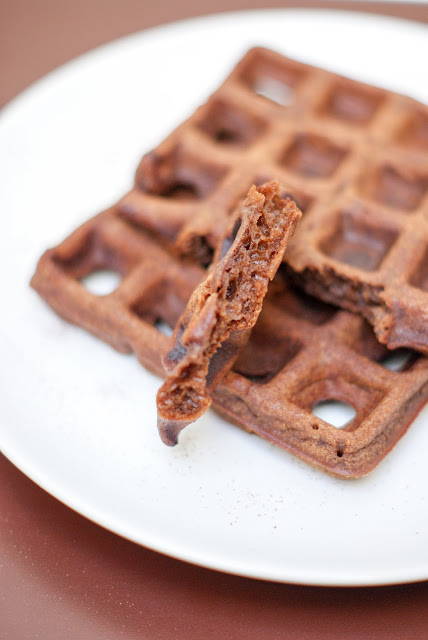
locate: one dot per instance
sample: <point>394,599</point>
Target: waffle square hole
<point>272,79</point>
<point>419,277</point>
<point>356,242</point>
<point>96,262</point>
<point>161,306</point>
<point>313,156</point>
<point>336,412</point>
<point>352,103</point>
<point>199,247</point>
<point>396,188</point>
<point>299,304</point>
<point>414,132</point>
<point>273,90</point>
<point>262,358</point>
<point>102,282</point>
<point>399,360</point>
<point>230,126</point>
<point>178,175</point>
<point>164,327</point>
<point>339,401</point>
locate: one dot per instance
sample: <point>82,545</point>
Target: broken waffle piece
<point>223,309</point>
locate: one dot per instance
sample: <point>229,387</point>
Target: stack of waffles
<point>353,283</point>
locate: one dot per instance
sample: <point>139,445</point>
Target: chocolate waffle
<point>224,307</point>
<point>301,351</point>
<point>355,158</point>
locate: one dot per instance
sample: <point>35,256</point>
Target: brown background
<point>38,35</point>
<point>62,577</point>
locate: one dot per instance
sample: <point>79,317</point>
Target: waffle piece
<point>221,311</point>
<point>369,253</point>
<point>300,352</point>
<point>303,352</point>
<point>355,159</point>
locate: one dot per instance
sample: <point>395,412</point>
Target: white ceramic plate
<point>79,418</point>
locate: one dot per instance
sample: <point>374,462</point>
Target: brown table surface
<point>63,577</point>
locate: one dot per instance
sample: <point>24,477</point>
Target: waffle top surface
<point>354,157</point>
